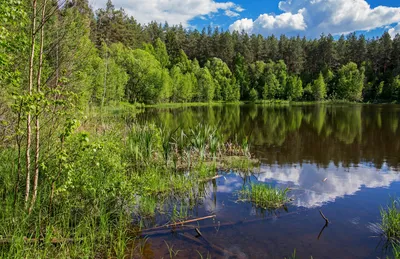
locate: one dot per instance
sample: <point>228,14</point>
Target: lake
<point>342,159</point>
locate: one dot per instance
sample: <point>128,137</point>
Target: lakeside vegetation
<point>103,174</point>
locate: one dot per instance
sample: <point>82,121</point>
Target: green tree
<point>225,87</point>
<point>183,85</point>
<point>205,88</point>
<point>318,88</point>
<point>294,88</point>
<point>253,96</point>
<point>271,87</point>
<point>350,82</point>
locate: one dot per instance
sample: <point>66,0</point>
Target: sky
<point>308,18</point>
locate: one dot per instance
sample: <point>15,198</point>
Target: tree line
<point>112,58</point>
<point>251,67</point>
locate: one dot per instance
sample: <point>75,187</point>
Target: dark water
<point>356,148</point>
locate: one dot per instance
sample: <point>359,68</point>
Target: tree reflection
<point>342,134</point>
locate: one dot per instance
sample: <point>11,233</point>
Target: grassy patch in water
<point>264,196</point>
<point>391,221</point>
<point>241,163</point>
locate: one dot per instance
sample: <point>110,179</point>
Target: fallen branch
<point>177,224</point>
<point>323,216</point>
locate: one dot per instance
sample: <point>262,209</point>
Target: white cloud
<point>313,17</point>
<point>231,13</point>
<point>394,31</point>
<point>171,11</point>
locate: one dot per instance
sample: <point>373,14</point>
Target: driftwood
<point>177,224</point>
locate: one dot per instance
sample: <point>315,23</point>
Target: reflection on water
<point>338,182</point>
<point>343,159</point>
<point>320,134</point>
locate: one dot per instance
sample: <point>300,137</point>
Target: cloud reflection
<point>314,192</point>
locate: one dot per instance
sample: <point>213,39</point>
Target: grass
<point>396,251</point>
<point>264,196</point>
<point>390,224</point>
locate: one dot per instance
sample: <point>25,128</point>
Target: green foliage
<point>350,83</point>
<point>271,87</point>
<point>93,172</point>
<point>183,85</point>
<point>395,89</point>
<point>253,95</point>
<point>294,88</point>
<point>148,81</point>
<point>226,88</point>
<point>13,43</point>
<point>109,84</point>
<point>318,88</point>
<point>206,89</point>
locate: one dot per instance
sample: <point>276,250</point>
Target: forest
<point>80,177</point>
<point>106,56</point>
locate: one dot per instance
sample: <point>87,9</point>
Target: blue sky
<point>307,18</point>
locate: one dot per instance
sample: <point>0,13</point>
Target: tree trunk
<point>28,119</point>
<point>39,75</point>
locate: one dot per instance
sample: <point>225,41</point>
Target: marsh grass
<point>390,224</point>
<point>264,196</point>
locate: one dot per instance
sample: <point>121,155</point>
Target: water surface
<point>341,159</point>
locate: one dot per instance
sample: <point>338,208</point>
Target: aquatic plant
<point>172,253</point>
<point>264,196</point>
<point>390,221</point>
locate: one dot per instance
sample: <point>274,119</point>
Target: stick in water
<point>323,216</point>
<point>179,223</point>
